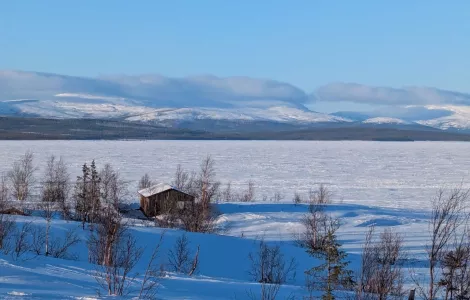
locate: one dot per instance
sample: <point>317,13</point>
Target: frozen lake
<point>391,174</point>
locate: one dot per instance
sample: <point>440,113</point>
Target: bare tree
<point>316,223</point>
<point>112,188</point>
<point>195,263</point>
<point>145,182</point>
<point>455,265</point>
<point>47,210</point>
<point>277,197</point>
<point>269,265</point>
<point>60,247</point>
<point>114,273</point>
<point>55,185</point>
<point>227,194</point>
<point>38,240</point>
<point>7,224</point>
<point>297,199</point>
<point>4,193</point>
<point>268,291</point>
<point>181,179</point>
<point>153,272</point>
<point>199,216</point>
<point>271,269</point>
<point>193,218</point>
<point>321,195</point>
<point>54,194</point>
<point>21,176</point>
<point>207,185</point>
<point>447,216</point>
<point>110,245</point>
<point>381,270</point>
<point>249,194</point>
<point>179,256</point>
<point>21,240</point>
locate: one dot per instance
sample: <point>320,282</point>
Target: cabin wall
<point>165,202</point>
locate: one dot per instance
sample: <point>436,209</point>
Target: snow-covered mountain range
<point>162,100</point>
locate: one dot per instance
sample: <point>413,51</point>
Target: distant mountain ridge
<point>199,100</point>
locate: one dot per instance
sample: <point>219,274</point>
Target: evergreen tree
<point>87,195</point>
<point>94,193</point>
<point>81,194</point>
<point>333,272</point>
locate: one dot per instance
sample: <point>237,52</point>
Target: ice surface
<point>388,174</point>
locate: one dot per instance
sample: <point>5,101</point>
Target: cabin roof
<point>157,189</point>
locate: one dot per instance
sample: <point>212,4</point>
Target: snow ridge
<point>384,120</point>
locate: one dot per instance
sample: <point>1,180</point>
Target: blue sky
<point>306,43</point>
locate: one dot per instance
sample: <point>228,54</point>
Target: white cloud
<point>351,92</point>
<point>152,90</point>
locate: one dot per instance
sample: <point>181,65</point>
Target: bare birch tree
<point>111,246</point>
<point>320,195</point>
<point>269,265</point>
<point>179,256</point>
<point>56,186</point>
<point>153,272</point>
<point>382,274</point>
<point>181,178</point>
<point>208,186</point>
<point>249,194</point>
<point>145,182</point>
<point>21,176</point>
<point>447,216</point>
<point>7,224</point>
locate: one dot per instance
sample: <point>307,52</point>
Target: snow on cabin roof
<point>156,189</point>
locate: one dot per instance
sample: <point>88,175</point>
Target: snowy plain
<point>387,174</point>
<point>388,184</point>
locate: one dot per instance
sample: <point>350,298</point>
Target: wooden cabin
<point>163,199</point>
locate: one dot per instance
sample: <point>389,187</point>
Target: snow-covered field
<point>386,184</point>
<point>388,174</point>
<point>224,263</point>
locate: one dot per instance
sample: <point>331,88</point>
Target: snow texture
<point>373,183</point>
<point>390,174</point>
<point>384,120</point>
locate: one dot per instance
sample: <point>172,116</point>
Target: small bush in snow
<point>179,257</point>
<point>145,182</point>
<point>249,194</point>
<point>269,265</point>
<point>21,240</point>
<point>297,199</point>
<point>321,195</point>
<point>277,197</point>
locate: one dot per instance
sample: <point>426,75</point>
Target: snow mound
<point>15,293</point>
<point>384,120</point>
<point>380,222</point>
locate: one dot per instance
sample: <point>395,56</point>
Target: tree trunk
<point>48,225</point>
<point>195,262</point>
<point>431,281</point>
<point>412,295</point>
